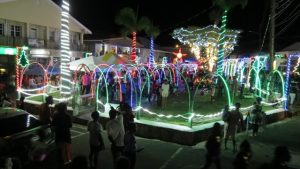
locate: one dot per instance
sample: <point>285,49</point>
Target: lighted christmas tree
<point>23,60</point>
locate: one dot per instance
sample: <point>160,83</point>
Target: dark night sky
<point>98,16</point>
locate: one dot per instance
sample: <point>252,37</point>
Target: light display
<point>23,60</point>
<point>133,50</point>
<point>207,39</point>
<point>8,51</point>
<point>297,68</point>
<point>138,79</point>
<point>151,56</point>
<point>65,86</point>
<point>287,78</point>
<point>221,44</point>
<point>179,56</point>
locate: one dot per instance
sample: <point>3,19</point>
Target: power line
<point>289,18</point>
<point>288,25</point>
<point>187,20</point>
<point>265,34</point>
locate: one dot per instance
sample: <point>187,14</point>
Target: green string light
<point>221,44</point>
<point>23,60</point>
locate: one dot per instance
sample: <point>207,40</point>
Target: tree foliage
<point>229,4</point>
<point>128,19</point>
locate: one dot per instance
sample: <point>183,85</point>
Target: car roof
<point>8,112</point>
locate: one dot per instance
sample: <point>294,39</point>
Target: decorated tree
<point>23,60</point>
<point>225,5</point>
<point>204,42</point>
<point>152,31</point>
<point>128,19</point>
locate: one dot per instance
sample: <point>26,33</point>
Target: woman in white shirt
<point>165,93</point>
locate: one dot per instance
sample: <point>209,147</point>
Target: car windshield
<point>16,124</point>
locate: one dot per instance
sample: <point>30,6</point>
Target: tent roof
<point>92,61</point>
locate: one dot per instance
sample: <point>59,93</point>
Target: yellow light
<point>274,64</point>
<point>179,55</point>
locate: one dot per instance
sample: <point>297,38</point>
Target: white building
<point>121,47</point>
<point>37,24</point>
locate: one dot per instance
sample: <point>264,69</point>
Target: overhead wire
<point>289,24</point>
<point>187,20</point>
<point>265,34</point>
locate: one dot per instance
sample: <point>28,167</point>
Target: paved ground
<point>164,155</point>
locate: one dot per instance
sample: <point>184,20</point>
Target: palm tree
<point>128,19</point>
<point>225,5</point>
<point>152,31</point>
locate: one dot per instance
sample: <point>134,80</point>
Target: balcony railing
<point>36,43</point>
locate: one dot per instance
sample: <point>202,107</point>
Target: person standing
<point>235,117</point>
<point>84,84</point>
<point>256,118</point>
<point>62,124</point>
<point>45,113</point>
<point>241,160</point>
<point>165,93</point>
<point>115,132</point>
<point>130,144</point>
<point>96,140</point>
<point>213,147</point>
<point>225,115</point>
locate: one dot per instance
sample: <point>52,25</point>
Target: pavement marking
<point>171,158</point>
<point>77,131</point>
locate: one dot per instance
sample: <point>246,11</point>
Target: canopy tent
<point>92,61</point>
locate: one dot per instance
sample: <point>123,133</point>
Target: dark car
<point>22,136</point>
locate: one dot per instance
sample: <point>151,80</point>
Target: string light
<point>65,50</point>
<point>133,50</point>
<point>151,56</point>
<point>221,44</point>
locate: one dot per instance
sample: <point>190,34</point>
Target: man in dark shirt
<point>62,123</point>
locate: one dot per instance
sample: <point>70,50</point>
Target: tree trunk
<point>221,44</point>
<point>133,50</point>
<point>151,56</point>
<point>65,85</point>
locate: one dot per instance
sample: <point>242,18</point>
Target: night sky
<point>98,16</point>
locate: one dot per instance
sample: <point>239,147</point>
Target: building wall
<point>39,12</point>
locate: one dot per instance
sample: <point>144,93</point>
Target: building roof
<point>120,41</point>
<point>47,11</point>
<point>295,47</point>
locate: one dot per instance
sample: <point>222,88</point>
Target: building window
<point>52,36</point>
<point>15,31</point>
<point>33,33</point>
<point>1,29</point>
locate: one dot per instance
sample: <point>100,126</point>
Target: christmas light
<point>206,39</point>
<point>23,60</point>
<point>133,50</point>
<point>151,56</point>
<point>65,50</point>
<point>221,44</point>
<point>296,68</point>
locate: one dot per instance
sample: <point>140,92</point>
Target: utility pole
<point>272,34</point>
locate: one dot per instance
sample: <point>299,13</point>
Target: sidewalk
<point>285,132</point>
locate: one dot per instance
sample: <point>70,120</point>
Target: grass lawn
<point>178,105</point>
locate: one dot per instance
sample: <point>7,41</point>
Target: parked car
<point>23,137</point>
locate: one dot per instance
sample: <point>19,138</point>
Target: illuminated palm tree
<point>128,19</point>
<point>225,5</point>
